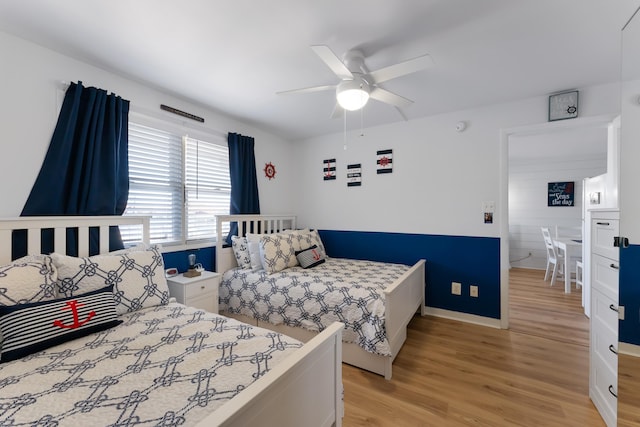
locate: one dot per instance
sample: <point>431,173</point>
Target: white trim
<point>464,317</point>
<point>629,349</point>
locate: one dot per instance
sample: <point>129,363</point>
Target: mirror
<point>629,278</point>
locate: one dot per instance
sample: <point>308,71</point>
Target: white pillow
<point>241,251</point>
<point>253,245</point>
<point>138,277</point>
<point>277,252</point>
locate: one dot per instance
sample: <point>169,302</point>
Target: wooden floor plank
<point>456,374</point>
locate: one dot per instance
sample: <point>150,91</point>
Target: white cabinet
<point>603,375</point>
<point>199,292</point>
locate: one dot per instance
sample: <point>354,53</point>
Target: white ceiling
<point>234,55</point>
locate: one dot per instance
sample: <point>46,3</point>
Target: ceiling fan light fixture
<point>352,95</point>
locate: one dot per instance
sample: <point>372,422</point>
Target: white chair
<point>578,274</point>
<point>553,259</point>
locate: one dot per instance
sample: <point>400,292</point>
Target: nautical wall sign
<point>354,175</point>
<point>329,169</point>
<point>560,193</point>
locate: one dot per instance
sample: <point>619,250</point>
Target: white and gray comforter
<point>344,290</point>
<point>164,366</point>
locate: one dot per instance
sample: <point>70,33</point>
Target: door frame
<point>505,134</point>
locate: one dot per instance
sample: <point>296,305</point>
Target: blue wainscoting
<point>468,260</point>
<point>179,260</point>
<point>629,280</point>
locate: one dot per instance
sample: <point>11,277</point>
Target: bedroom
<point>441,195</point>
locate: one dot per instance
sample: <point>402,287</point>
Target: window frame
<point>181,130</point>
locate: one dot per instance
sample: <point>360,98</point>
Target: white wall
<point>440,179</point>
<point>528,210</point>
<point>31,94</point>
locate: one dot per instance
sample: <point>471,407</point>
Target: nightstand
<point>199,292</point>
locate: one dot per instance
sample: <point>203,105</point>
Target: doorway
<point>542,140</point>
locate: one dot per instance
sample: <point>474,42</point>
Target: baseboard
<point>464,317</point>
<point>629,349</point>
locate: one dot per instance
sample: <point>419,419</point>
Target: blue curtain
<point>244,179</point>
<point>86,168</point>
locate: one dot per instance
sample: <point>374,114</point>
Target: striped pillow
<point>311,257</point>
<point>30,328</point>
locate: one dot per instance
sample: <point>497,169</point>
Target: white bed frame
<point>402,298</point>
<point>305,389</point>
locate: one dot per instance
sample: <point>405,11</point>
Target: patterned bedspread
<point>164,366</point>
<point>344,290</point>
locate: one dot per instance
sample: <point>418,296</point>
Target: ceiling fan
<point>357,84</point>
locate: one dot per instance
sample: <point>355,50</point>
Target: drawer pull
<point>602,223</point>
<point>612,349</point>
<point>201,287</point>
<point>613,393</point>
<point>612,265</point>
<point>613,307</point>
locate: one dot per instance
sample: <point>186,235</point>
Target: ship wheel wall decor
<point>270,170</point>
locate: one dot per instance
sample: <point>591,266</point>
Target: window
<point>181,182</point>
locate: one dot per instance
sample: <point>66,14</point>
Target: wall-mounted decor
<point>329,169</point>
<point>354,175</point>
<point>269,171</point>
<point>385,161</point>
<point>563,105</point>
<point>560,193</point>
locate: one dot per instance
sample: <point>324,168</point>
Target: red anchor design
<point>73,305</point>
<point>316,255</point>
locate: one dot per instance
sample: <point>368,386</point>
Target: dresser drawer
<point>603,232</point>
<point>604,384</point>
<point>604,276</point>
<point>604,334</point>
<point>203,287</point>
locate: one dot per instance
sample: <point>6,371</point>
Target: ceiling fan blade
<point>337,112</point>
<point>333,62</point>
<point>401,69</point>
<point>307,90</point>
<point>387,97</point>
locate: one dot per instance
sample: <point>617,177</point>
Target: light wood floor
<point>450,373</point>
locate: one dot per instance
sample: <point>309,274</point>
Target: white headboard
<point>263,224</point>
<point>34,225</point>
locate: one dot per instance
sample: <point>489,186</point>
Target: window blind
<point>207,186</point>
<point>180,182</point>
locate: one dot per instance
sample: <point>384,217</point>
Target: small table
<point>571,248</point>
<point>199,292</point>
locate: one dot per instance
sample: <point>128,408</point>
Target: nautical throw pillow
<point>28,279</point>
<point>138,277</point>
<point>241,251</point>
<point>277,252</point>
<point>29,328</point>
<point>311,257</point>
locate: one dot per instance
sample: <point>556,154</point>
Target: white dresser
<point>603,375</point>
<point>199,292</point>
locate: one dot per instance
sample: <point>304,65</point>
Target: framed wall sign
<point>563,106</point>
<point>560,193</point>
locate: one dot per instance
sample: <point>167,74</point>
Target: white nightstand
<point>199,292</point>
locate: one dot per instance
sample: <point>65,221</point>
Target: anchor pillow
<point>30,328</point>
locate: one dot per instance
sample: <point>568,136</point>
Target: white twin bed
<point>375,301</point>
<point>147,360</point>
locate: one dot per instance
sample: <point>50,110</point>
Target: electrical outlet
<point>473,291</point>
<point>456,288</point>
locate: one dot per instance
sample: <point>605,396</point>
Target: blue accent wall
<point>204,256</point>
<point>629,328</point>
<point>468,260</point>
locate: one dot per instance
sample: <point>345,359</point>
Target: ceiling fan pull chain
<point>345,129</point>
